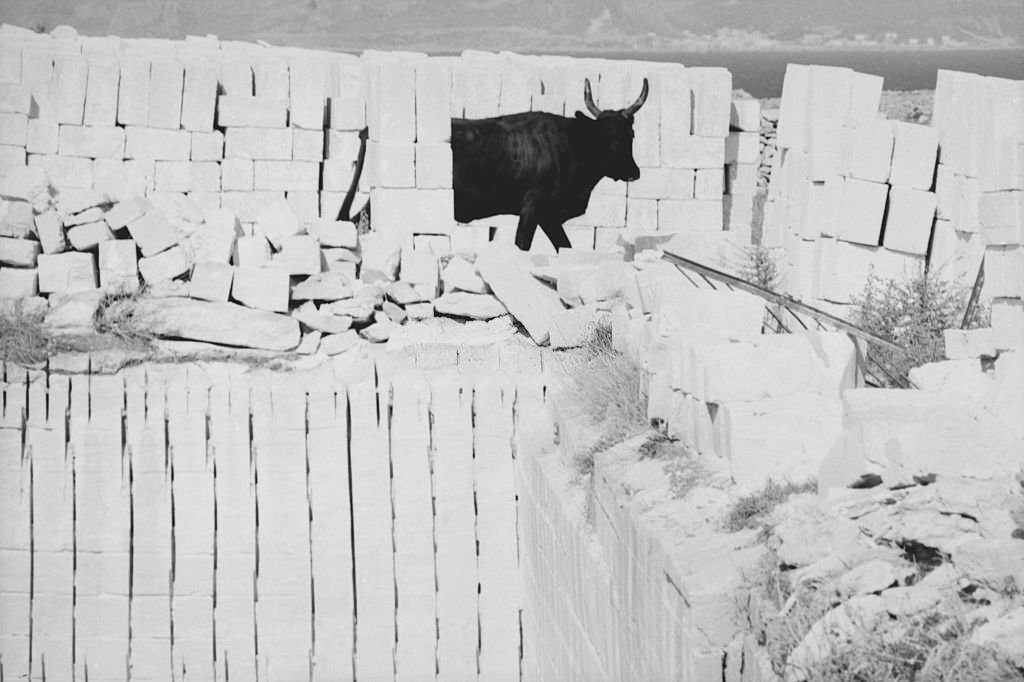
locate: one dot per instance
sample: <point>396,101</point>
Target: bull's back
<point>496,161</point>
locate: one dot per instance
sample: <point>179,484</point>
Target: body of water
<point>761,73</point>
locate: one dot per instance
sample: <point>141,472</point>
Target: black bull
<point>539,166</point>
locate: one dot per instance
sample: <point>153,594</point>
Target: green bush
<point>913,312</point>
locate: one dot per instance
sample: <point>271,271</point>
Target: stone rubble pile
<point>879,560</point>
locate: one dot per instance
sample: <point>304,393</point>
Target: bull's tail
<point>344,213</point>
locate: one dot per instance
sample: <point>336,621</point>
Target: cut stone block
<point>690,214</point>
<point>961,344</point>
<point>50,230</point>
<point>65,171</point>
<point>326,286</point>
<point>308,92</point>
<point>157,144</point>
<point>16,218</point>
<point>271,144</point>
<point>307,145</point>
<point>473,306</point>
<point>420,267</point>
<point>323,322</point>
<point>712,98</point>
<point>405,294</point>
<point>276,220</point>
<point>709,183</point>
<point>1004,272</point>
<point>391,164</point>
<point>914,155</point>
<point>571,328</point>
<point>286,175</point>
<point>73,312</point>
<point>199,98</point>
<point>335,344</point>
<point>119,265</point>
<point>164,266</point>
<point>335,233</point>
<point>15,98</point>
<point>433,166</point>
<point>871,151</point>
<point>271,78</point>
<point>310,343</point>
<point>251,252</point>
<point>299,255</point>
<point>71,72</point>
<point>167,78</point>
<point>865,96</point>
<point>237,175</point>
<point>207,145</point>
<point>67,272</point>
<point>663,183</point>
<point>81,205</point>
<point>742,147</point>
<point>215,240</point>
<point>382,256</point>
<point>262,288</point>
<point>908,222</point>
<point>693,151</point>
<point>133,93</point>
<point>793,107</point>
<point>42,136</point>
<point>433,94</point>
<point>861,210</point>
<point>19,282</point>
<point>1001,215</point>
<point>420,311</point>
<point>152,232</point>
<point>224,323</point>
<point>89,236</point>
<point>1008,323</point>
<point>251,111</point>
<point>127,211</point>
<point>211,281</point>
<point>506,271</point>
<point>347,113</point>
<point>13,129</point>
<point>745,114</point>
<point>20,253</point>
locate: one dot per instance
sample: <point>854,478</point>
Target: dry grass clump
<point>748,510</point>
<point>115,316</point>
<point>23,339</point>
<point>610,389</point>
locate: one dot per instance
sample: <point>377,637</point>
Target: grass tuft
<point>749,510</point>
<point>23,339</point>
<point>115,316</point>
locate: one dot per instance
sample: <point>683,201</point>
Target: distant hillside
<point>539,24</point>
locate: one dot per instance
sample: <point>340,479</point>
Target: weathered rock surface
<point>224,323</point>
<point>506,271</point>
<point>474,306</point>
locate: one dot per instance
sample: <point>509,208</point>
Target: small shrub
<point>610,388</point>
<point>23,339</point>
<point>913,312</point>
<point>758,266</point>
<point>749,510</point>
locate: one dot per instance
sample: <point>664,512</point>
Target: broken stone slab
<point>73,313</point>
<point>378,332</point>
<point>506,270</point>
<point>325,286</point>
<point>474,306</point>
<point>394,312</point>
<point>335,344</point>
<point>420,311</point>
<point>872,577</point>
<point>404,294</point>
<point>460,275</point>
<point>359,310</point>
<point>324,322</point>
<point>20,253</point>
<point>228,324</point>
<point>310,343</point>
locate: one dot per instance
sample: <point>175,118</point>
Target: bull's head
<point>615,131</point>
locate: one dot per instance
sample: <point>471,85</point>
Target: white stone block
<point>248,205</point>
<point>20,253</point>
<point>861,211</point>
<point>164,266</point>
<point>709,183</point>
<point>433,94</point>
<point>871,151</point>
<point>307,145</point>
<point>167,80</point>
<point>662,183</point>
<point>745,114</point>
<point>42,136</point>
<point>741,147</point>
<point>88,236</point>
<point>251,111</point>
<point>251,252</point>
<point>641,215</point>
<point>199,98</point>
<point>286,175</point>
<point>299,255</point>
<point>308,92</point>
<point>433,166</point>
<point>64,171</point>
<point>403,212</point>
<point>92,142</point>
<point>420,267</point>
<point>694,152</point>
<point>261,288</point>
<point>908,222</point>
<point>1008,323</point>
<point>271,79</point>
<point>236,77</point>
<point>71,73</point>
<point>13,129</point>
<point>865,95</point>
<point>712,97</point>
<point>276,220</point>
<point>101,93</point>
<point>15,98</point>
<point>258,143</point>
<point>1001,215</point>
<point>914,155</point>
<point>1004,272</point>
<point>119,265</point>
<point>37,73</point>
<point>152,232</point>
<point>16,218</point>
<point>481,90</point>
<point>793,108</point>
<point>391,164</point>
<point>683,215</point>
<point>157,144</point>
<point>211,281</point>
<point>207,146</point>
<point>305,204</point>
<point>237,175</point>
<point>831,92</point>
<point>347,113</point>
<point>126,211</point>
<point>335,233</point>
<point>19,282</point>
<point>50,230</point>
<point>67,272</point>
<point>962,344</point>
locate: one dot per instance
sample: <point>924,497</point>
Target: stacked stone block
<point>980,188</point>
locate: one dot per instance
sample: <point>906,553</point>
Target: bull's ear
<point>583,117</point>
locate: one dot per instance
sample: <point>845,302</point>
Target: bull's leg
<point>527,224</point>
<point>556,233</point>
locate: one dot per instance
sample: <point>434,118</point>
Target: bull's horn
<point>632,108</point>
<point>588,99</point>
